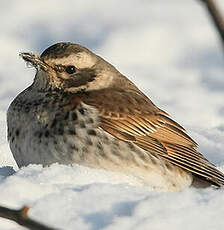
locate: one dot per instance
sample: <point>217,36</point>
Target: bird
<point>81,110</point>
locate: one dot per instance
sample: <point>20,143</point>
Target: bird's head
<point>71,68</point>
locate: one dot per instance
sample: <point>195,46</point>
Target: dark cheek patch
<point>79,79</point>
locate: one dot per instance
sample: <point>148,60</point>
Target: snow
<point>171,50</point>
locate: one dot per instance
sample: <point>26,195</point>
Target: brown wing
<point>132,117</point>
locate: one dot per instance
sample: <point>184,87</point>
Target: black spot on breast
<point>81,111</point>
<point>53,124</point>
<point>46,134</point>
<point>17,132</point>
<point>60,131</point>
<point>84,149</point>
<point>71,132</point>
<point>36,103</point>
<point>73,147</point>
<point>90,121</point>
<point>91,132</point>
<point>99,146</point>
<point>131,146</point>
<point>66,116</point>
<point>82,124</point>
<point>47,95</point>
<point>88,141</point>
<point>65,139</point>
<point>116,153</point>
<point>74,116</point>
<point>142,156</point>
<point>168,166</point>
<point>26,109</point>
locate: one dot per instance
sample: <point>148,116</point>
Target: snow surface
<point>171,50</point>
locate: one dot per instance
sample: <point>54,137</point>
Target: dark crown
<point>62,49</point>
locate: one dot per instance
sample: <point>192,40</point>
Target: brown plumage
<point>139,121</point>
<point>80,109</point>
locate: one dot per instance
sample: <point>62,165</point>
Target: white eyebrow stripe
<point>80,60</point>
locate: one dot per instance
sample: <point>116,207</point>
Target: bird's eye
<point>70,69</point>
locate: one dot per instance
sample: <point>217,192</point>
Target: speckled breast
<point>46,127</point>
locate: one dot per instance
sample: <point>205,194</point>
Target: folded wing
<point>132,117</point>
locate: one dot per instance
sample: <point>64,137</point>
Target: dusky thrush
<point>81,109</point>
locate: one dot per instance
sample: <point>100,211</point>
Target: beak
<point>34,60</point>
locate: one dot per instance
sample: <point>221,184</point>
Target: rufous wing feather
<point>132,117</point>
